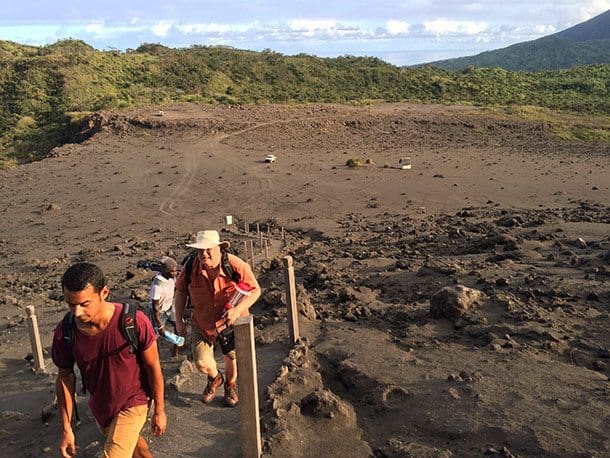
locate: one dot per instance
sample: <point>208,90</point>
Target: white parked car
<point>405,163</point>
<point>270,158</point>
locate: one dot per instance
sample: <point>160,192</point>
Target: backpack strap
<point>228,268</point>
<point>67,329</point>
<point>187,265</point>
<point>128,326</point>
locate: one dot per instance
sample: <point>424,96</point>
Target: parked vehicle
<point>270,158</point>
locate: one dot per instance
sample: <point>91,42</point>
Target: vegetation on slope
<point>548,53</point>
<point>48,90</point>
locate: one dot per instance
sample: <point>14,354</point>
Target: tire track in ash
<point>142,180</point>
<point>265,185</point>
<point>167,206</point>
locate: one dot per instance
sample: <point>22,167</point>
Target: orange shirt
<point>208,297</point>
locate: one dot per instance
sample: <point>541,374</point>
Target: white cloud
<point>544,29</point>
<point>321,27</point>
<point>213,27</point>
<point>589,8</point>
<point>395,27</point>
<point>444,27</point>
<point>311,25</point>
<point>161,28</point>
<point>101,30</point>
<point>96,28</point>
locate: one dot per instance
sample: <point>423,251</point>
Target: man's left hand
<point>232,315</point>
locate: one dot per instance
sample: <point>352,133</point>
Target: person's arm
<point>65,385</point>
<point>247,301</point>
<point>157,315</point>
<point>180,304</point>
<point>152,366</point>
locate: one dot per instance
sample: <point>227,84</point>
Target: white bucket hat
<point>208,239</point>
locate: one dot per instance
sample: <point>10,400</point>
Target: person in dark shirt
<point>120,382</point>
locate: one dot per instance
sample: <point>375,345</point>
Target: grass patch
<point>565,126</point>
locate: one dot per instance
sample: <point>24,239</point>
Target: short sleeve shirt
<point>113,377</point>
<point>209,297</point>
<point>162,290</point>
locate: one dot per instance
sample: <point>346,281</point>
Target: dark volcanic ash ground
<point>456,309</point>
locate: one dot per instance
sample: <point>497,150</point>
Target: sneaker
<point>231,398</point>
<point>211,387</point>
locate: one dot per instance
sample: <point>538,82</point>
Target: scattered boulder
<point>56,295</point>
<point>510,221</point>
<point>453,302</point>
<point>323,403</point>
<point>177,382</point>
<point>304,304</point>
<point>52,207</point>
<point>49,411</point>
<point>415,450</point>
<point>140,294</point>
<point>580,243</point>
<point>9,416</point>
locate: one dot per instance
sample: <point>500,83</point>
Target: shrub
<point>354,162</point>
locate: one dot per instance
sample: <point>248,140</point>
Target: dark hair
<point>79,275</point>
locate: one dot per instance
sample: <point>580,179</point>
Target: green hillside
<point>548,53</point>
<point>587,43</point>
<point>46,90</point>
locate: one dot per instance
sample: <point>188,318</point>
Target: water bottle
<point>173,338</point>
<point>241,289</point>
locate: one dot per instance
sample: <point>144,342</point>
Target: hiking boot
<point>231,398</point>
<point>211,387</point>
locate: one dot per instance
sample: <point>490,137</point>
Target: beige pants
<point>203,352</point>
<point>122,434</point>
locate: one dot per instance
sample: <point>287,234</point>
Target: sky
<point>399,32</point>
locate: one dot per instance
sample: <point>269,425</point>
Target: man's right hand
<point>67,446</point>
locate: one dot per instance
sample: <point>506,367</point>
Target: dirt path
<point>498,205</point>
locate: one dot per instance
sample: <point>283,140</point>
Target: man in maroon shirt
<point>120,382</point>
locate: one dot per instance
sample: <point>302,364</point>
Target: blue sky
<point>400,32</point>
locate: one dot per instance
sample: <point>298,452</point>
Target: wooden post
<point>251,446</point>
<point>245,255</point>
<point>283,235</point>
<point>260,241</point>
<point>258,229</point>
<point>291,295</point>
<point>266,250</point>
<point>246,227</point>
<point>251,254</point>
<point>35,338</point>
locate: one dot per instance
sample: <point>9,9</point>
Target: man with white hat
<point>209,288</point>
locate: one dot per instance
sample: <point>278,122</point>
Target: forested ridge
<point>47,90</point>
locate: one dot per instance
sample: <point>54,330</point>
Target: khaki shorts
<point>122,434</point>
<point>202,351</point>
